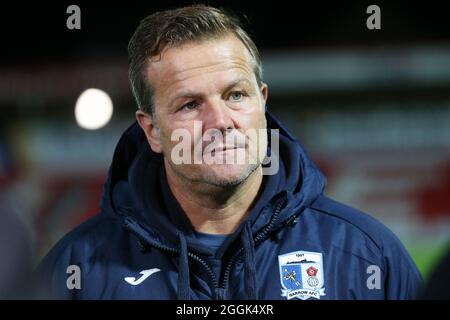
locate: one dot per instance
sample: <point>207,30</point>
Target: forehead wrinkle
<point>208,68</point>
<point>227,58</point>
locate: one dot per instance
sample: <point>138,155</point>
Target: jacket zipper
<point>219,291</point>
<point>258,238</point>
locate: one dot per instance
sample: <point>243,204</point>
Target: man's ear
<point>264,92</point>
<point>151,130</point>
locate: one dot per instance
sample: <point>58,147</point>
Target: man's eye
<point>190,105</point>
<point>236,96</point>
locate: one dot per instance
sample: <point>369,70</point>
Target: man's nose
<point>217,116</point>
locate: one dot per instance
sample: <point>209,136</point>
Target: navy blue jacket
<point>295,244</point>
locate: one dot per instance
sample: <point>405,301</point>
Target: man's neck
<point>212,209</point>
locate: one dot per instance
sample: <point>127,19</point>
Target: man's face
<point>211,86</point>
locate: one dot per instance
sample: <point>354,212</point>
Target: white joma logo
<point>145,274</point>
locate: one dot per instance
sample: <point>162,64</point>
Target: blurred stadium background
<point>371,107</point>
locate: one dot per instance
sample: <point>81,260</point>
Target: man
<point>182,220</point>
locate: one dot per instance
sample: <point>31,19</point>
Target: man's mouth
<point>225,149</point>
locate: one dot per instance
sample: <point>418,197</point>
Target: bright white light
<point>93,109</point>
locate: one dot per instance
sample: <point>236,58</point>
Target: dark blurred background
<point>372,107</point>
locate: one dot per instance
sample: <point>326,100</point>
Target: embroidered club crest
<point>301,275</point>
